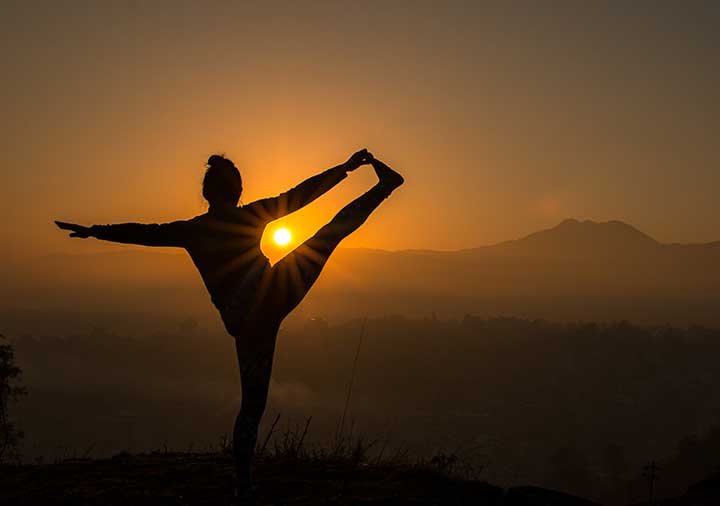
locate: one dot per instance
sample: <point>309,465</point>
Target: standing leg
<point>255,351</point>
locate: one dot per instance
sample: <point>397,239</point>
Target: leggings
<point>281,289</point>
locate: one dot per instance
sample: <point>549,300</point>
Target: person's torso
<point>226,250</point>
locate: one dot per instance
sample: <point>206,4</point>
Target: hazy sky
<point>504,118</point>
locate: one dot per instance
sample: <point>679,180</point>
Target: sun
<point>282,236</point>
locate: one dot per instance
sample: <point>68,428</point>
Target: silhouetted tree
<point>650,473</point>
<point>10,392</point>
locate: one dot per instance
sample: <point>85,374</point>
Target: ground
<point>204,479</point>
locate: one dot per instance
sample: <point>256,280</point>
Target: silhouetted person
<point>252,296</point>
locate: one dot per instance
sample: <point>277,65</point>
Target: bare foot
<point>389,179</point>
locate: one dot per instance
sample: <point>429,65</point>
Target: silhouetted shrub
<point>10,392</point>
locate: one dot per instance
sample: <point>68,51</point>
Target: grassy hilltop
<point>204,479</point>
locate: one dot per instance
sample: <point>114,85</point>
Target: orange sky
<point>503,119</point>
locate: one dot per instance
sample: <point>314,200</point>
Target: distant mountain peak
<point>568,222</point>
<point>572,236</point>
<point>612,226</point>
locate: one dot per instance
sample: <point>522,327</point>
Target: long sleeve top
<point>224,246</point>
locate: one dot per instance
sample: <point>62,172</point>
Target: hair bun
<point>218,160</point>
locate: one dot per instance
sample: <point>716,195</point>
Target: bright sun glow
<point>282,236</point>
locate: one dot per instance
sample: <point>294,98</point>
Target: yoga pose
<point>252,296</point>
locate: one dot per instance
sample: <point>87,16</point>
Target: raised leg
<point>293,276</point>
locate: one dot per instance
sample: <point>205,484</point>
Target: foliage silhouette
<point>10,391</point>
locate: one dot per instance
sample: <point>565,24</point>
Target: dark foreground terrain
<point>203,479</point>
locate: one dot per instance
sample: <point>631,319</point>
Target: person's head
<point>222,184</point>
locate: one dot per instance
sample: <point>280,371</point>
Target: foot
<point>243,495</point>
<point>389,179</point>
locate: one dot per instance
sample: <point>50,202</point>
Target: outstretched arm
<point>276,207</point>
<point>166,234</point>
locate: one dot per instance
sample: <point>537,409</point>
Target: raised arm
<point>276,207</point>
<point>165,234</point>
